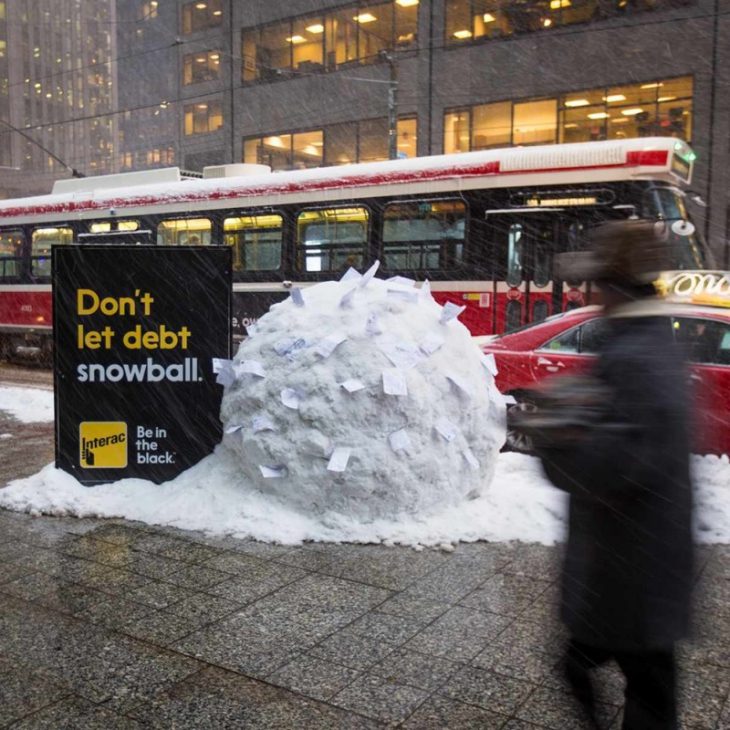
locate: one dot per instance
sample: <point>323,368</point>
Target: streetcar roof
<point>136,193</point>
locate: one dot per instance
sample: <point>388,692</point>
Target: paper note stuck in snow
<point>399,440</point>
<point>223,369</point>
<point>403,294</point>
<point>353,385</point>
<point>446,429</point>
<point>262,423</point>
<point>461,385</point>
<point>272,472</point>
<point>471,459</point>
<point>249,367</point>
<point>372,326</point>
<point>402,354</point>
<point>426,290</point>
<point>234,428</point>
<point>351,275</point>
<point>347,299</point>
<point>338,460</point>
<point>369,274</point>
<point>430,343</point>
<point>450,311</point>
<point>326,346</point>
<point>394,382</point>
<point>490,364</point>
<point>401,280</point>
<point>290,398</point>
<point>297,297</point>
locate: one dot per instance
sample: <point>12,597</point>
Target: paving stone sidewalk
<point>111,624</point>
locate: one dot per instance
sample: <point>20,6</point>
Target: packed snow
<point>29,405</point>
<point>297,392</point>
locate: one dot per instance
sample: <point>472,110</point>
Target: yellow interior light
<point>547,22</point>
<point>296,39</point>
<point>666,98</point>
<point>201,6</point>
<point>577,102</point>
<point>488,18</point>
<point>315,28</point>
<point>406,3</point>
<point>365,18</point>
<point>461,34</point>
<point>632,112</point>
<point>653,85</point>
<point>614,97</point>
<point>598,115</point>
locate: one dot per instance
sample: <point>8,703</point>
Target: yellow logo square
<point>103,444</point>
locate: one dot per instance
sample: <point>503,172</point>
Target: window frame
<point>19,260</point>
<point>253,213</point>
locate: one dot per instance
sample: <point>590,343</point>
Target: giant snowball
<point>363,397</point>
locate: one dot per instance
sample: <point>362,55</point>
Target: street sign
<point>135,329</point>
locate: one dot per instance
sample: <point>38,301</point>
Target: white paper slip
<point>461,385</point>
<point>352,385</point>
<point>402,280</point>
<point>225,375</point>
<point>490,364</point>
<point>445,428</point>
<point>509,400</point>
<point>403,294</point>
<point>399,440</point>
<point>450,311</point>
<point>430,343</point>
<point>262,423</point>
<point>372,326</point>
<point>251,329</point>
<point>426,290</point>
<point>297,297</point>
<point>403,355</point>
<point>351,275</point>
<point>471,459</point>
<point>338,460</point>
<point>249,367</point>
<point>347,299</point>
<point>369,274</point>
<point>291,398</point>
<point>272,472</point>
<point>326,346</point>
<point>234,428</point>
<point>219,363</point>
<point>283,346</point>
<point>394,382</point>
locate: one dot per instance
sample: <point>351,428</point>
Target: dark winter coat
<point>628,565</point>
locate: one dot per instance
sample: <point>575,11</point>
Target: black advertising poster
<point>135,329</point>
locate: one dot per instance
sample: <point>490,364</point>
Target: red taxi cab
<point>567,343</point>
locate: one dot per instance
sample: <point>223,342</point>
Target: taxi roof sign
<point>710,288</point>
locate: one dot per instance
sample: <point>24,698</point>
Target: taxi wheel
<point>515,440</point>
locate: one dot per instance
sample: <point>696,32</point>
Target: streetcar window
<point>41,242</point>
<point>514,255</point>
<point>332,239</point>
<point>687,250</point>
<point>184,232</point>
<point>11,249</point>
<point>256,241</point>
<point>424,234</point>
<point>107,226</point>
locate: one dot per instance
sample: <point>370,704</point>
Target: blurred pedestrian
<point>628,565</point>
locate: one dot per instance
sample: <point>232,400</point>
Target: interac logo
<point>103,444</point>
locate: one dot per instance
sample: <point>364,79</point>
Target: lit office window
<point>202,117</point>
<point>649,109</point>
<point>474,20</point>
<point>203,66</point>
<point>200,15</point>
<point>357,34</point>
<point>336,144</point>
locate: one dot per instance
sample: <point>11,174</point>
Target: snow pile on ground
<point>28,405</point>
<point>363,397</point>
<point>520,504</point>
